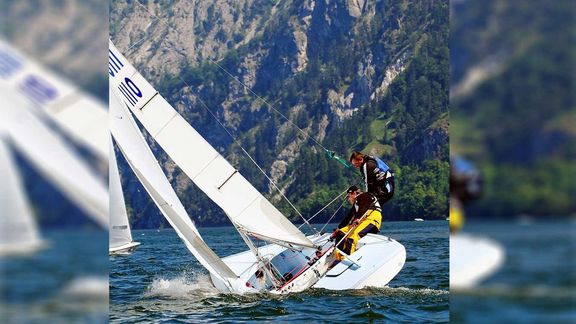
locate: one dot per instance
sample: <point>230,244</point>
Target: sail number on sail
<point>129,90</point>
<point>14,70</point>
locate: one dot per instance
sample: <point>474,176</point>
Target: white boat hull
<point>124,249</point>
<point>472,259</point>
<point>378,260</point>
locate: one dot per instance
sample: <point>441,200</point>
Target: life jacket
<point>382,168</point>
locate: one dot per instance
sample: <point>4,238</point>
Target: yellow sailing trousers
<point>370,224</point>
<point>456,216</point>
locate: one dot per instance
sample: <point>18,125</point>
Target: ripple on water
<point>161,281</point>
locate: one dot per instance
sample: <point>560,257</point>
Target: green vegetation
<point>519,125</point>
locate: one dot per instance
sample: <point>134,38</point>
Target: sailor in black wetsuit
<point>379,179</point>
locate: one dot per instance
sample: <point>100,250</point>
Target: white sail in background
<point>53,157</point>
<point>248,210</point>
<point>145,166</point>
<point>120,237</point>
<point>77,113</point>
<point>18,229</point>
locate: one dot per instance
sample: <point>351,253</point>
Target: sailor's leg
<point>343,242</point>
<point>355,235</point>
<point>370,225</point>
<point>371,228</point>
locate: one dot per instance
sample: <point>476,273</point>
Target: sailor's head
<point>357,158</point>
<point>352,193</point>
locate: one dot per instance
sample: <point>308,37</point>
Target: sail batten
<point>241,202</point>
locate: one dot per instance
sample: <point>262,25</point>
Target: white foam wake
<point>183,286</point>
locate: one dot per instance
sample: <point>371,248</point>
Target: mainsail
<point>78,114</point>
<point>142,161</point>
<point>56,160</point>
<point>248,210</point>
<point>18,229</point>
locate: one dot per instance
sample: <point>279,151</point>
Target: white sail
<point>119,233</point>
<point>142,161</point>
<point>248,210</point>
<point>78,114</point>
<point>18,229</point>
<point>53,158</point>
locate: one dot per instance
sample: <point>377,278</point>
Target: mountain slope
<point>363,75</point>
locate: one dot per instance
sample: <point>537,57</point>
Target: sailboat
<point>120,235</point>
<point>291,261</point>
<point>19,233</point>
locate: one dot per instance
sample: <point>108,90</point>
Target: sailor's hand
<point>356,222</point>
<point>333,236</point>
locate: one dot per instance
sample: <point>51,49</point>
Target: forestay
<point>145,166</point>
<point>248,210</point>
<point>119,232</point>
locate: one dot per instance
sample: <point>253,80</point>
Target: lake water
<point>161,281</point>
<point>537,281</point>
<point>64,283</point>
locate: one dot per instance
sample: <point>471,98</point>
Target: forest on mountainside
<point>518,125</point>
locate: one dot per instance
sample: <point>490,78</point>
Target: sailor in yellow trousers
<point>364,217</point>
<point>466,184</point>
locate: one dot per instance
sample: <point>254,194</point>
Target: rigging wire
<point>331,217</point>
<point>326,206</point>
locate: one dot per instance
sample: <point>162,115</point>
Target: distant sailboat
<point>18,230</point>
<point>120,236</point>
<point>252,214</point>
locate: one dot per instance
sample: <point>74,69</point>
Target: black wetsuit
<point>363,203</point>
<point>377,183</point>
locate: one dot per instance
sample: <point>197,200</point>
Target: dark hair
<point>355,155</point>
<point>352,189</point>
